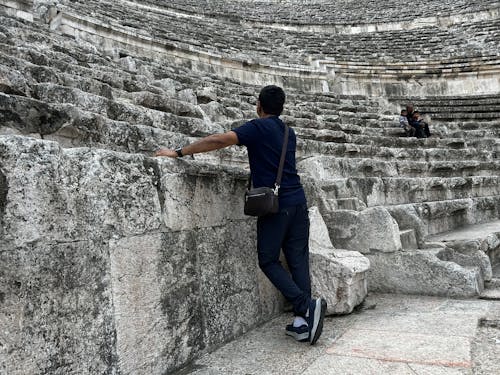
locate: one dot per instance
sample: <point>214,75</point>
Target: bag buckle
<point>276,189</point>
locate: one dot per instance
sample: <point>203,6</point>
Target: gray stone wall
<point>118,263</point>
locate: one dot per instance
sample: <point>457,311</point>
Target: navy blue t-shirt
<point>263,138</point>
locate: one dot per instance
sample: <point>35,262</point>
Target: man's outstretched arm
<point>209,143</point>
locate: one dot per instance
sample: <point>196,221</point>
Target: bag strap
<point>282,160</point>
<point>281,165</point>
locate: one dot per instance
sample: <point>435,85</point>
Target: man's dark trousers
<point>287,230</point>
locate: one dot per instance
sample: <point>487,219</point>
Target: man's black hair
<point>272,100</point>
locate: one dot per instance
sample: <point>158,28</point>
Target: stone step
<point>307,148</point>
<point>422,272</point>
<point>375,191</point>
<point>353,204</point>
<point>408,239</point>
<point>396,148</point>
<point>334,167</point>
<point>446,215</point>
<point>488,235</point>
<point>491,290</point>
<point>449,101</point>
<point>324,14</point>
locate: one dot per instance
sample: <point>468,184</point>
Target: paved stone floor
<point>389,334</point>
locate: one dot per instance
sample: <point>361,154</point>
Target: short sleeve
<point>247,133</point>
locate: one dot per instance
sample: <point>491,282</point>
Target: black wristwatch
<point>179,152</point>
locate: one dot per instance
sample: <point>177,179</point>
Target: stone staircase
<point>324,12</point>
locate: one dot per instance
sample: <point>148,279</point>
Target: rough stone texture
<point>390,334</point>
<point>363,231</point>
<point>422,272</point>
<point>484,238</point>
<point>468,258</point>
<point>56,308</point>
<point>339,276</point>
<point>117,239</point>
<point>106,268</point>
<point>407,217</point>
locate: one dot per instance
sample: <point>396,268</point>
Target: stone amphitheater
<point>113,261</point>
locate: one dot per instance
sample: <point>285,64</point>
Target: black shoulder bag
<point>263,201</point>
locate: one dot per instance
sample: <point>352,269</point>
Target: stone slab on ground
<point>339,276</point>
<point>467,232</point>
<point>493,294</point>
<point>422,272</point>
<point>388,334</point>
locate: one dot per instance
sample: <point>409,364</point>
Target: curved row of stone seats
<point>429,45</point>
<point>369,167</point>
<point>389,191</point>
<point>471,112</point>
<point>57,70</point>
<point>307,147</point>
<point>408,68</point>
<point>194,34</point>
<point>34,70</point>
<point>463,42</point>
<point>324,12</point>
<point>459,116</point>
<point>174,123</point>
<point>353,141</point>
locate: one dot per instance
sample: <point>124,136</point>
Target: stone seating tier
<point>230,38</point>
<point>483,108</point>
<point>321,11</point>
<point>390,191</point>
<point>76,73</point>
<point>351,112</point>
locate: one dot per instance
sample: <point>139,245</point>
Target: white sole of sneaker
<point>319,315</point>
<point>298,336</point>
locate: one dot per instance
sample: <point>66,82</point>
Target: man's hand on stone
<point>166,152</point>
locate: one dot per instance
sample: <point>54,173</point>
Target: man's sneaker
<point>317,309</point>
<point>298,333</point>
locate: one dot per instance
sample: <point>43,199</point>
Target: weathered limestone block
<point>468,257</point>
<point>206,94</point>
<point>188,95</point>
<point>56,309</point>
<point>157,305</point>
<point>329,167</point>
<point>13,82</point>
<point>217,112</point>
<point>168,85</point>
<point>98,245</point>
<point>29,115</point>
<point>128,63</point>
<point>422,272</point>
<point>80,194</point>
<point>339,276</point>
<point>363,231</point>
<point>166,104</point>
<point>184,196</point>
<point>408,217</point>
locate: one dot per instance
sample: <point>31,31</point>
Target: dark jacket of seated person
<point>421,127</point>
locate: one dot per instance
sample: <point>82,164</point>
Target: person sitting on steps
<point>405,125</point>
<point>420,125</point>
<point>289,228</point>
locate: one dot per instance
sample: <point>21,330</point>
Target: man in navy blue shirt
<point>289,228</point>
